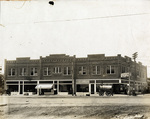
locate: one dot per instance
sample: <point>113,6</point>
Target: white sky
<point>75,27</point>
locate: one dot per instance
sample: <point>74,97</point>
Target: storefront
<point>91,86</point>
<point>61,87</point>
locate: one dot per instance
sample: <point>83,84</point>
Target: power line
<point>91,18</point>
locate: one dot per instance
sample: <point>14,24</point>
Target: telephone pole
<point>135,75</point>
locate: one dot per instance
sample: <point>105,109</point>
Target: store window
<point>11,72</point>
<point>82,70</point>
<point>46,71</point>
<point>23,72</point>
<point>67,70</point>
<point>82,87</point>
<point>65,88</point>
<point>110,69</point>
<point>96,70</point>
<point>34,72</point>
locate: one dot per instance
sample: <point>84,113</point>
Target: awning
<point>44,86</point>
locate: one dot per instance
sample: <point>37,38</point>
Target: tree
<point>1,84</point>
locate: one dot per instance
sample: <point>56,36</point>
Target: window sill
<point>82,74</point>
<point>56,73</point>
<point>96,74</point>
<point>11,76</point>
<point>67,75</point>
<point>111,74</point>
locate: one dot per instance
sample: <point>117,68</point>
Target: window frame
<point>35,71</point>
<point>83,70</point>
<point>10,70</point>
<point>57,70</point>
<point>48,71</point>
<point>23,71</point>
<point>123,69</point>
<point>67,69</point>
<point>111,70</point>
<point>97,70</point>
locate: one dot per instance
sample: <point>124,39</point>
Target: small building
<point>62,74</point>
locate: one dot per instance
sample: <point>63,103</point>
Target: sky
<point>75,27</point>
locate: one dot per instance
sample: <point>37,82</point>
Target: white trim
<point>98,79</point>
<point>41,80</point>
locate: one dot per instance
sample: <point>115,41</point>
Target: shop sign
<point>125,75</point>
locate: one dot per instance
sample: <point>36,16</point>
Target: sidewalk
<point>70,96</point>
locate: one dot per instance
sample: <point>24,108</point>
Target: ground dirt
<point>29,111</point>
<point>117,107</point>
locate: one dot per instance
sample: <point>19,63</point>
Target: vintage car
<point>106,89</point>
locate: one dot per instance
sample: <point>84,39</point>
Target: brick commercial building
<point>62,74</point>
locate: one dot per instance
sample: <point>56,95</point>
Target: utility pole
<point>73,77</point>
<point>135,76</point>
<point>129,78</point>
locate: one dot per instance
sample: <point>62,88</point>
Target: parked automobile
<point>106,89</point>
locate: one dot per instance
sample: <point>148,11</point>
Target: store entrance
<point>21,91</point>
<point>92,88</point>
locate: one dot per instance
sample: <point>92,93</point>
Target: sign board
<point>125,75</point>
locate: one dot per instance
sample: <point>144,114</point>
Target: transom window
<point>34,72</point>
<point>11,72</point>
<point>57,70</point>
<point>82,70</point>
<point>47,71</point>
<point>67,70</point>
<point>23,72</point>
<point>110,69</point>
<point>96,70</point>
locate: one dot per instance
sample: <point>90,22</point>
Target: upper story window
<point>11,72</point>
<point>127,69</point>
<point>47,71</point>
<point>144,75</point>
<point>96,70</point>
<point>23,72</point>
<point>67,70</point>
<point>57,70</point>
<point>34,72</point>
<point>110,69</point>
<point>123,69</point>
<point>82,70</point>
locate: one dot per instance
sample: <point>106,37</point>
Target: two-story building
<point>69,74</point>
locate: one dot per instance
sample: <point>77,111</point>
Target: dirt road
<point>75,107</point>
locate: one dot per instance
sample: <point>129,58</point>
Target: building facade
<point>72,75</point>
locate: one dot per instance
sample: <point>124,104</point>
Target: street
<point>48,107</point>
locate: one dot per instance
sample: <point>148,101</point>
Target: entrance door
<point>92,88</point>
<point>21,91</point>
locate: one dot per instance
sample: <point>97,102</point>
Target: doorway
<point>92,88</point>
<point>21,91</point>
